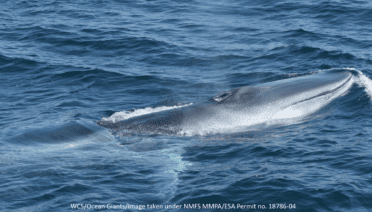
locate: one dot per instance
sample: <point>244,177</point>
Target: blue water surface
<point>66,65</point>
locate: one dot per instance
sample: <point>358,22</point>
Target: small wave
<point>364,81</point>
<point>123,115</point>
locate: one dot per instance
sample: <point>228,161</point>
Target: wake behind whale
<point>243,108</point>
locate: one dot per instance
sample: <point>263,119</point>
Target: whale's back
<point>245,106</point>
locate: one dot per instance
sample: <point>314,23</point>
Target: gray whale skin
<point>244,106</point>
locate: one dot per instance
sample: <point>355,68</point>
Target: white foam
<point>363,81</point>
<point>330,69</point>
<point>123,115</point>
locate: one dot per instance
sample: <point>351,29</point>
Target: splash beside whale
<point>244,107</point>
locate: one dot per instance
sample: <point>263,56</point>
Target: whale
<point>242,108</point>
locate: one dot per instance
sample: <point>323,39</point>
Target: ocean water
<point>67,66</point>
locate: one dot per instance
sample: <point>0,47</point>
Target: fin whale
<point>243,107</point>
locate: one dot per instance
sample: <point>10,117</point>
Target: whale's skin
<point>241,103</point>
